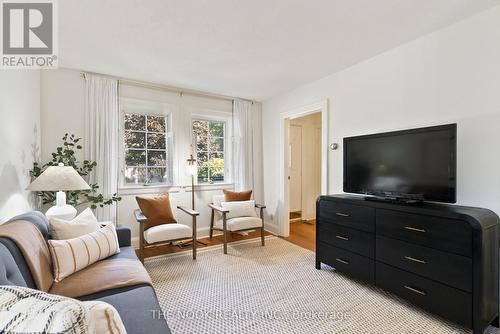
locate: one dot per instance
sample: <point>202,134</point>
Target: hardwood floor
<point>216,240</point>
<point>303,234</point>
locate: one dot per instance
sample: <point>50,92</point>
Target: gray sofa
<point>136,304</point>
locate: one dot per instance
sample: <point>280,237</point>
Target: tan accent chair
<point>164,234</point>
<point>236,224</point>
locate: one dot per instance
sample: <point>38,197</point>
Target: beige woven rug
<point>276,289</point>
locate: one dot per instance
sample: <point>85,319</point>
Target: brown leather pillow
<point>157,210</point>
<point>234,196</point>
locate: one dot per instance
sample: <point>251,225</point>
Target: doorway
<point>286,119</point>
<point>304,177</point>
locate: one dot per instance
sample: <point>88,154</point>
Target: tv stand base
<point>395,200</point>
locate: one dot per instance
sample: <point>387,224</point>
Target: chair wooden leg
<point>224,227</point>
<point>212,224</point>
<point>194,238</point>
<point>262,227</point>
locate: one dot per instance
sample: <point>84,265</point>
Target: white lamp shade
<point>59,178</point>
<point>192,170</point>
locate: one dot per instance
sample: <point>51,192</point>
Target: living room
<point>171,120</point>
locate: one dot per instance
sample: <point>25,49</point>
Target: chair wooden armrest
<point>218,208</point>
<point>260,206</point>
<point>190,212</point>
<point>139,216</point>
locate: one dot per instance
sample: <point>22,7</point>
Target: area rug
<point>276,289</point>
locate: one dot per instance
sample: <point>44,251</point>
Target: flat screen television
<point>417,163</point>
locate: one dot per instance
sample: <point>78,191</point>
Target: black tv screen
<point>416,163</point>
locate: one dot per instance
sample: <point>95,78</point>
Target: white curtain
<point>101,137</point>
<point>243,159</point>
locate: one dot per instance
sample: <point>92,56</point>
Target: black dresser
<point>443,258</point>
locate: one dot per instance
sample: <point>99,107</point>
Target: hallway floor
<point>303,234</point>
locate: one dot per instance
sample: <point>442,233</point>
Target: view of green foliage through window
<point>209,139</point>
<point>145,139</point>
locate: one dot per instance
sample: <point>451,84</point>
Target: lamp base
<point>65,212</point>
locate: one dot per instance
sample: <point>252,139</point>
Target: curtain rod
<point>181,91</point>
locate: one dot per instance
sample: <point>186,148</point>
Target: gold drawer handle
<point>342,238</point>
<point>342,214</point>
<point>342,261</point>
<point>420,292</point>
<point>410,258</point>
<point>415,229</point>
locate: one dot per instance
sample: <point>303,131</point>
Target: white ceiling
<point>247,48</point>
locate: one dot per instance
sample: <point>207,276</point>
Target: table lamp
<point>59,178</point>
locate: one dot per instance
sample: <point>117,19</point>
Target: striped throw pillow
<point>72,255</point>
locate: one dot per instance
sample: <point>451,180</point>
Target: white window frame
<point>147,108</point>
<point>215,116</point>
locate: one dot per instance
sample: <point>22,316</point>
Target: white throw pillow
<point>106,318</point>
<point>239,209</point>
<point>72,255</point>
<point>82,224</point>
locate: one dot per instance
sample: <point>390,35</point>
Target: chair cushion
<point>167,232</point>
<point>157,210</point>
<point>230,196</point>
<point>218,199</point>
<point>240,209</point>
<point>240,223</point>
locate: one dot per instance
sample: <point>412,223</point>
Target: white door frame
<point>321,106</point>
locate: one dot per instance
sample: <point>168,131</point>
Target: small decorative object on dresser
<point>443,258</point>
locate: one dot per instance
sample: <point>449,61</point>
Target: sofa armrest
<point>124,236</point>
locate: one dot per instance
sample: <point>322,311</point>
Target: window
<point>209,139</point>
<point>146,149</point>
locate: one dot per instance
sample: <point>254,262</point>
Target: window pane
<point>203,174</point>
<point>156,124</point>
<point>135,122</point>
<point>202,158</point>
<point>216,144</point>
<point>202,144</point>
<point>135,175</point>
<point>216,159</point>
<point>200,128</point>
<point>135,158</point>
<point>157,158</point>
<point>134,139</point>
<point>157,175</point>
<point>156,141</point>
<point>217,129</point>
<point>216,174</point>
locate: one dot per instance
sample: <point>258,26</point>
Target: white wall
<point>311,162</point>
<point>63,111</point>
<point>452,75</point>
<point>62,105</point>
<point>19,138</point>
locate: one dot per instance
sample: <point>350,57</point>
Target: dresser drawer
<point>356,241</point>
<point>451,269</point>
<point>445,301</point>
<point>440,233</point>
<point>354,265</point>
<point>353,216</point>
